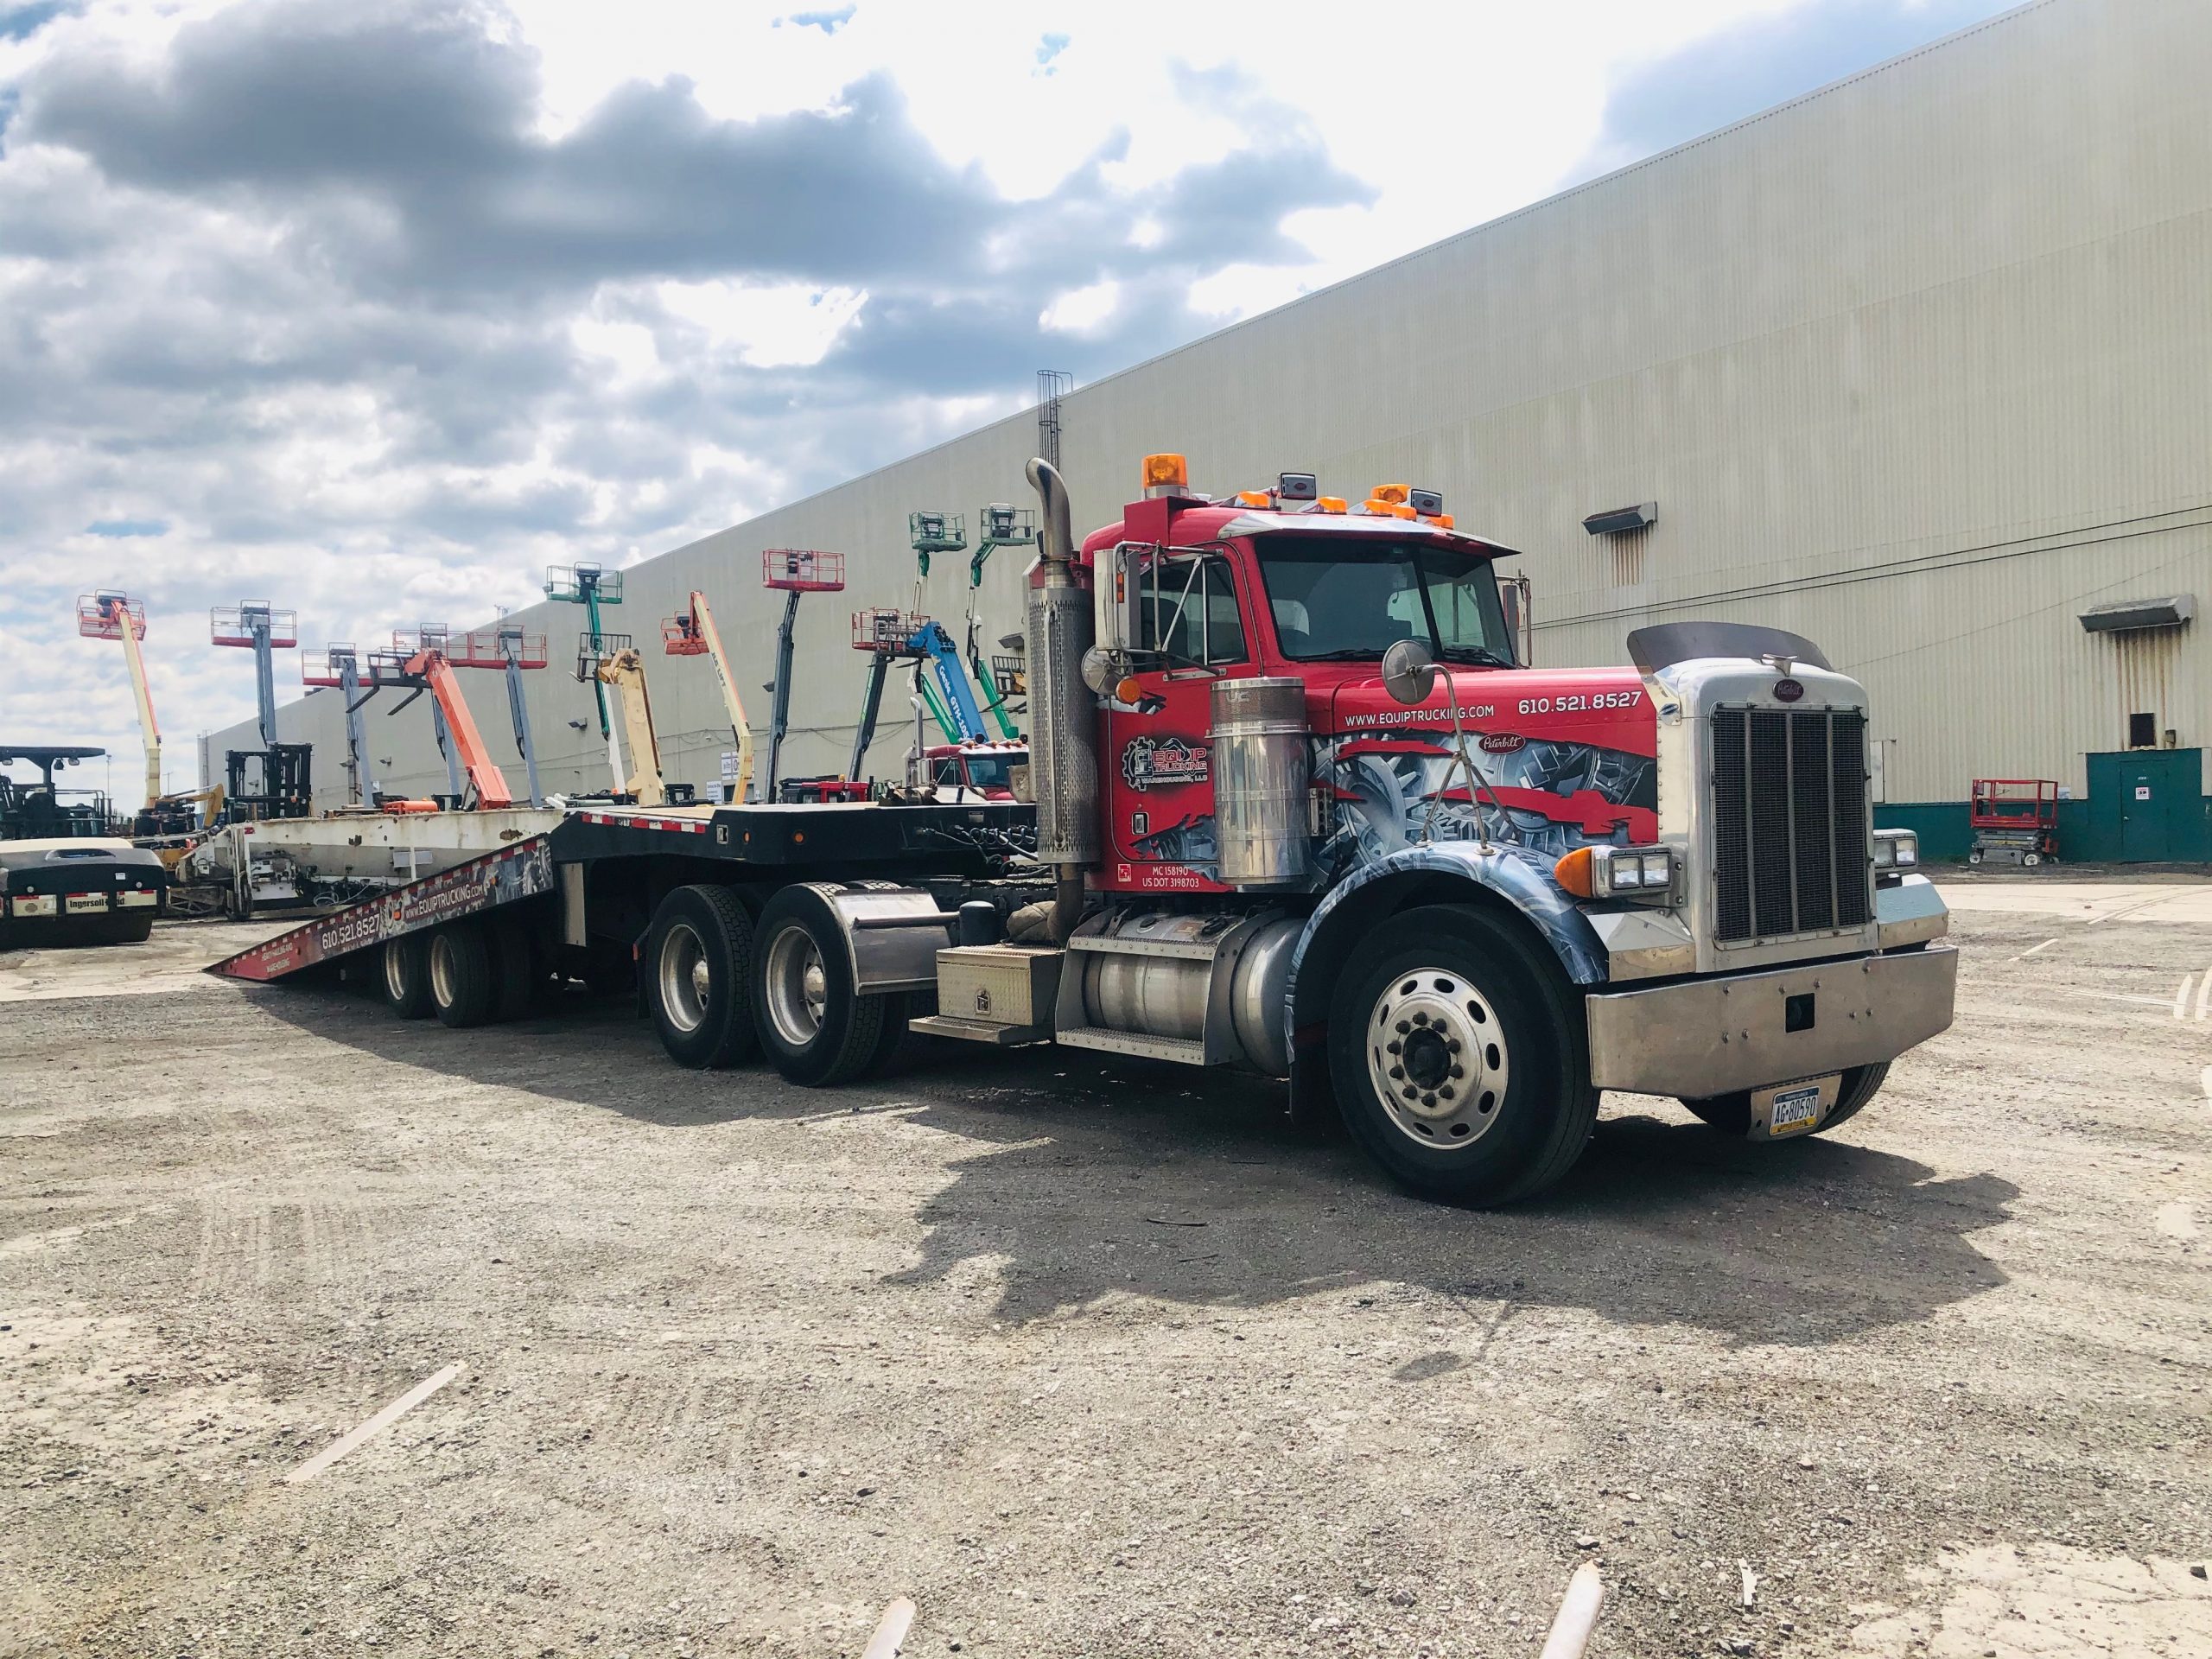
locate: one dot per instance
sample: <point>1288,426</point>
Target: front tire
<point>814,1027</point>
<point>1457,1053</point>
<point>1732,1114</point>
<point>698,966</point>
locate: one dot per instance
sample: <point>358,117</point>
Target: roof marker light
<point>1166,474</point>
<point>1330,504</point>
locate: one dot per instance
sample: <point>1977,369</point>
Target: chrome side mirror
<point>1409,673</point>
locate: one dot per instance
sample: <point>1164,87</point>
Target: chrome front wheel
<point>1437,1057</point>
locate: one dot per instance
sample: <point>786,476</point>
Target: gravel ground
<point>1091,1359</point>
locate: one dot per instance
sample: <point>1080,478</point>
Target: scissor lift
<point>2015,820</point>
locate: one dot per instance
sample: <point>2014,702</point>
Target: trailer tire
<point>698,974</point>
<point>1481,1012</point>
<point>814,1027</point>
<point>407,977</point>
<point>514,968</point>
<point>461,974</point>
<point>1732,1114</point>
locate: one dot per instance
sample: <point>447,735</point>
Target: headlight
<point>1641,873</point>
<point>1896,849</point>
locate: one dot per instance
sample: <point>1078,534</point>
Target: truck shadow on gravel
<point>1096,1179</point>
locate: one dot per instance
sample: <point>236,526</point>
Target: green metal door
<point>2142,810</point>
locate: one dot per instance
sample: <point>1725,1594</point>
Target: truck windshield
<point>1345,599</point>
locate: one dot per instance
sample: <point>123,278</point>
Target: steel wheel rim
<point>798,988</point>
<point>1437,1057</point>
<point>395,971</point>
<point>442,970</point>
<point>686,981</point>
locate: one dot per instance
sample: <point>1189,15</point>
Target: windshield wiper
<point>1347,654</point>
<point>1481,656</point>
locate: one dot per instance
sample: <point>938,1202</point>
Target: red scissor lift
<point>2015,820</point>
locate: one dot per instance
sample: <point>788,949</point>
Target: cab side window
<point>1189,613</point>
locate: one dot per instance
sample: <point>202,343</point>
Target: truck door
<point>1189,631</point>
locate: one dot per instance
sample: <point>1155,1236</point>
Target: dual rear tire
<point>466,973</point>
<point>724,986</point>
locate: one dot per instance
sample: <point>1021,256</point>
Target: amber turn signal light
<point>1573,873</point>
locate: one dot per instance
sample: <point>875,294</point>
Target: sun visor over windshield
<point>1654,649</point>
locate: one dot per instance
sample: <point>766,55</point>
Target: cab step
<point>1183,1051</point>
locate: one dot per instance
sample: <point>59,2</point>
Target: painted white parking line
<point>2204,994</point>
<point>2122,996</point>
<point>2180,996</point>
<point>2035,949</point>
<point>361,1436</point>
<point>2175,1221</point>
<point>2204,1081</point>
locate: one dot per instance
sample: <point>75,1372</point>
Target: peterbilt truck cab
<point>1310,814</point>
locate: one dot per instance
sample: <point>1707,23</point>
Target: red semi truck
<point>1292,806</point>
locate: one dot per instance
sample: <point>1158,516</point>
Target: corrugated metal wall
<point>1920,366</point>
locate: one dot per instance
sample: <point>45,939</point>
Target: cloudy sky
<point>376,308</point>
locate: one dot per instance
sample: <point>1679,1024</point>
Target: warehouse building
<point>1919,366</point>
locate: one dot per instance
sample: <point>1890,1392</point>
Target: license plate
<point>77,903</point>
<point>1793,1107</point>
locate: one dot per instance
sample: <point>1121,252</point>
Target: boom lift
<point>280,771</point>
<point>423,659</point>
<point>591,587</point>
<point>341,668</point>
<point>793,570</point>
<point>890,636</point>
<point>622,668</point>
<point>694,634</point>
<point>117,616</point>
<point>1002,527</point>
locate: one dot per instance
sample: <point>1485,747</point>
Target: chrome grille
<point>1790,843</point>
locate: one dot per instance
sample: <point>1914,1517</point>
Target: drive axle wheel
<point>699,962</point>
<point>814,1027</point>
<point>407,977</point>
<point>1458,1054</point>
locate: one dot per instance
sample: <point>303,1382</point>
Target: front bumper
<point>1716,1035</point>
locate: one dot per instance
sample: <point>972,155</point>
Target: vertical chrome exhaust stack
<point>1062,757</point>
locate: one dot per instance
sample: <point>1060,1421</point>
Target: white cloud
<point>1082,310</point>
<point>787,325</point>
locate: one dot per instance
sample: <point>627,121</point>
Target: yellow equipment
<point>119,616</point>
<point>624,671</point>
<point>694,634</point>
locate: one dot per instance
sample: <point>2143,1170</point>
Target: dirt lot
<point>1092,1359</point>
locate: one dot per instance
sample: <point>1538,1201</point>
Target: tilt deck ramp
<point>522,871</point>
<point>787,842</point>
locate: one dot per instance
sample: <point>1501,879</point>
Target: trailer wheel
<point>407,977</point>
<point>514,965</point>
<point>1457,1053</point>
<point>814,1027</point>
<point>698,965</point>
<point>1732,1114</point>
<point>461,974</point>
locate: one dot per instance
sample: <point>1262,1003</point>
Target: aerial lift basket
<point>232,624</point>
<point>803,570</point>
<point>100,616</point>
